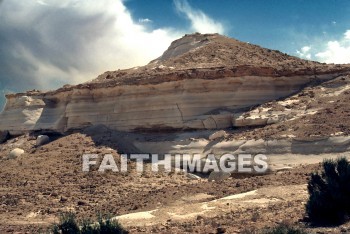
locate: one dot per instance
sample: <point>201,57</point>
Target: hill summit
<point>212,50</point>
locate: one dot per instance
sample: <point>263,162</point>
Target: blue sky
<point>45,44</point>
<point>277,24</point>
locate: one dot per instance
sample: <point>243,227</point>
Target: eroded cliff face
<point>183,104</point>
<point>161,97</point>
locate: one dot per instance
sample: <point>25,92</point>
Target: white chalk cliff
<point>200,82</point>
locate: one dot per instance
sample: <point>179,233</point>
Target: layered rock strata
<point>162,97</point>
<point>183,104</point>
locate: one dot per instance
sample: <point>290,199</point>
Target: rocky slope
<point>200,82</point>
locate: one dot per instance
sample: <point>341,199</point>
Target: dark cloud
<point>45,44</point>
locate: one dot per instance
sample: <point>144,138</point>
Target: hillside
<point>200,82</point>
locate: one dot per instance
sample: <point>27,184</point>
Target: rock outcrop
<point>200,82</point>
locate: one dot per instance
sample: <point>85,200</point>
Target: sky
<point>45,44</point>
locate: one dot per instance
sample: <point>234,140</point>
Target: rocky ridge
<point>200,82</point>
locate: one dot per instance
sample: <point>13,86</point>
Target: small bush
<point>69,225</point>
<point>329,202</point>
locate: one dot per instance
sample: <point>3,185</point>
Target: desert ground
<point>37,186</point>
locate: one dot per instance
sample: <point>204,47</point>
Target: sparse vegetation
<point>69,225</point>
<point>329,191</point>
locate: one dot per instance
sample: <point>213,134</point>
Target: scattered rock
<point>217,135</point>
<point>42,140</point>
<point>15,153</point>
<point>281,169</point>
<point>4,136</point>
<point>219,176</point>
<point>192,176</point>
<point>82,203</point>
<point>220,230</point>
<point>243,121</point>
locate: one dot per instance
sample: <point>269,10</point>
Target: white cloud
<point>336,51</point>
<point>48,43</point>
<point>304,52</point>
<point>145,20</point>
<point>200,22</point>
<point>45,44</point>
<point>347,35</point>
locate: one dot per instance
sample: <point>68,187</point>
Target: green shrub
<point>329,202</point>
<point>69,225</point>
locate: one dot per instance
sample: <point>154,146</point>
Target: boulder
<point>15,153</point>
<point>42,140</point>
